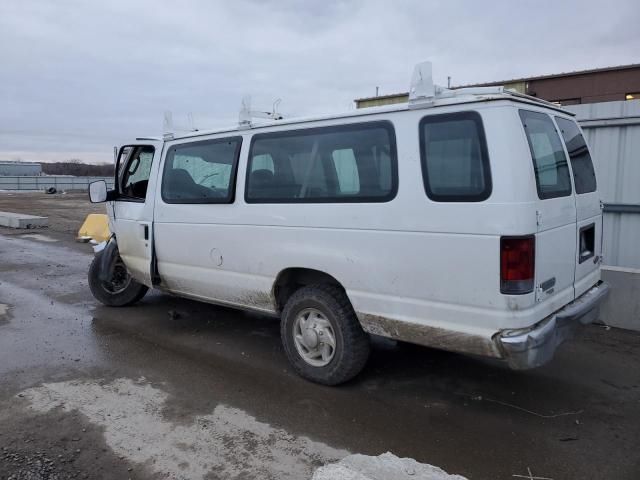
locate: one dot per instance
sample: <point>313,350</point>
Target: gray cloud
<point>78,77</point>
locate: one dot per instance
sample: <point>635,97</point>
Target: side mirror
<point>98,191</point>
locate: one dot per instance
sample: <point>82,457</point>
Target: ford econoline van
<point>466,220</point>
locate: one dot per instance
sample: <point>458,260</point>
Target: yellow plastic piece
<point>95,226</point>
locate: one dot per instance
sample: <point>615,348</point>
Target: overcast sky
<point>77,77</point>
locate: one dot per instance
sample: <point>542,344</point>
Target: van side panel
<point>407,262</point>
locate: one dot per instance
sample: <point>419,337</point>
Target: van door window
<point>201,172</point>
<point>135,169</point>
<point>549,160</point>
<point>584,176</point>
<point>345,163</point>
<point>455,163</point>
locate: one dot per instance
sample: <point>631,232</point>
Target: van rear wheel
<point>321,335</point>
<point>120,290</point>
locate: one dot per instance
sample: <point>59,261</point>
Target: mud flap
<point>108,260</point>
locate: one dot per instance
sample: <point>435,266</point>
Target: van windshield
<point>584,176</point>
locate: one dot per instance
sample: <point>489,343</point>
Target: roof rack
<point>423,92</point>
<point>514,93</point>
<point>246,114</point>
<point>169,130</point>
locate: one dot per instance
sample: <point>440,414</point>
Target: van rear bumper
<point>532,347</point>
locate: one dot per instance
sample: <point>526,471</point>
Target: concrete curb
<point>20,220</point>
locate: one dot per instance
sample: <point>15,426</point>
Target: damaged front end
<point>108,258</point>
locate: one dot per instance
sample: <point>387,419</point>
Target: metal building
<point>20,169</point>
<point>571,88</point>
<point>612,130</point>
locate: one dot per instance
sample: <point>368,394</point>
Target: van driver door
<point>131,212</point>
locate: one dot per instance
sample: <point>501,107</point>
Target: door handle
<point>146,231</point>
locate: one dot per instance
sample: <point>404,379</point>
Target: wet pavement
<point>172,388</point>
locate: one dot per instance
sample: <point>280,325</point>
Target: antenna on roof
<point>246,114</point>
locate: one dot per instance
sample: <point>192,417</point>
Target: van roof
<point>461,96</point>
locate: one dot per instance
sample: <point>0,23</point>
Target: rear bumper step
<point>532,347</point>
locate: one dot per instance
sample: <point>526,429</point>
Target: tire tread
<point>134,292</point>
<point>356,342</point>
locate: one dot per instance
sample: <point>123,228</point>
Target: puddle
<point>39,237</point>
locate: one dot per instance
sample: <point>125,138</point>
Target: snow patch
<point>4,308</point>
<point>383,467</point>
<point>227,442</point>
<point>39,237</point>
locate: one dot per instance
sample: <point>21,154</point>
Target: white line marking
<point>39,237</point>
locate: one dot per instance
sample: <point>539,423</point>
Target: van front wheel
<point>120,290</point>
<point>321,335</point>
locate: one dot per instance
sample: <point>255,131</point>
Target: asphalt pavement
<point>172,388</point>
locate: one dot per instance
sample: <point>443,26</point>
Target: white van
<point>465,220</point>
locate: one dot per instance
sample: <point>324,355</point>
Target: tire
<point>126,292</point>
<point>329,306</point>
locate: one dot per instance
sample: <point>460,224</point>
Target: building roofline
<point>19,162</point>
<point>559,75</point>
<point>516,80</point>
<point>382,97</point>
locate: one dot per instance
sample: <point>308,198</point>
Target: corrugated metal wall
<point>612,130</point>
<point>17,168</point>
<point>39,183</point>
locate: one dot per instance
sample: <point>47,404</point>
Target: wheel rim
<point>314,337</point>
<point>119,281</point>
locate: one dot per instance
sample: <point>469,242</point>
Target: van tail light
<point>517,264</point>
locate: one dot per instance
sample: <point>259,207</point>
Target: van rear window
<point>549,160</point>
<point>455,163</point>
<point>346,163</point>
<point>584,177</point>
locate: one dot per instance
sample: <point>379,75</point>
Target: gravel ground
<point>65,211</point>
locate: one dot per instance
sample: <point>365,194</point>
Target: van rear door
<point>589,211</point>
<point>555,246</point>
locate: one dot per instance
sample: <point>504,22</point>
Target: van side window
<point>455,162</point>
<point>346,163</point>
<point>584,177</point>
<point>549,160</point>
<point>135,168</point>
<point>201,172</point>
